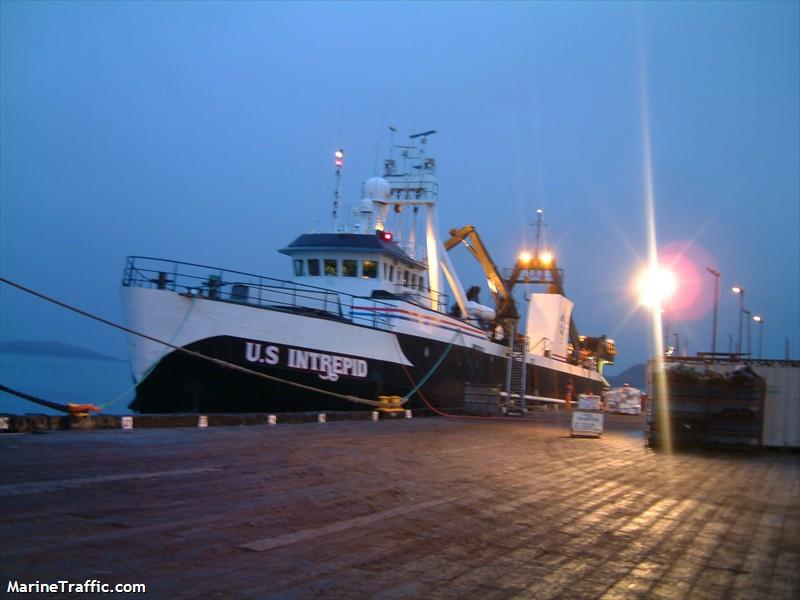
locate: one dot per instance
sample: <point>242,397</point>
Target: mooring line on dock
<point>216,361</point>
<point>36,400</point>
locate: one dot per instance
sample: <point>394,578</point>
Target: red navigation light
<point>386,236</point>
<point>339,160</point>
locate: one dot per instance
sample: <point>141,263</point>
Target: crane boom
<point>468,235</point>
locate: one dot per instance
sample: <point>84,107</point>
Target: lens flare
<point>688,261</point>
<point>655,287</point>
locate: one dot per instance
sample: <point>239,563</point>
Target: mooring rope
<point>431,371</point>
<point>211,359</point>
<point>34,399</point>
<point>156,363</point>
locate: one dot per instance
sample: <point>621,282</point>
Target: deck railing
<point>225,285</point>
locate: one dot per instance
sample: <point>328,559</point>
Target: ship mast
<point>539,225</point>
<point>338,160</point>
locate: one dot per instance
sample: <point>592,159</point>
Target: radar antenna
<point>423,135</point>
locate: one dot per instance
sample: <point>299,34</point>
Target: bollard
<point>374,415</point>
<point>4,423</point>
<point>321,418</point>
<point>202,421</point>
<point>272,420</point>
<point>408,414</point>
<point>127,422</point>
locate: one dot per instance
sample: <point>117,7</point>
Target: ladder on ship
<point>516,375</point>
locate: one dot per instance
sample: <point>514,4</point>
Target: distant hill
<point>636,376</point>
<point>49,348</point>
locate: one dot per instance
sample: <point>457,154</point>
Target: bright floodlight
<point>655,286</point>
<point>757,318</point>
<point>737,290</point>
<point>545,258</point>
<point>525,257</point>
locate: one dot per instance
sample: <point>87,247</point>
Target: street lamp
<point>739,290</point>
<point>749,345</point>
<point>760,320</point>
<point>716,305</point>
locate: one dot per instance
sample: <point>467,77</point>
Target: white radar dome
<point>377,188</point>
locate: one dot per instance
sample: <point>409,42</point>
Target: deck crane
<point>504,302</point>
<point>540,269</point>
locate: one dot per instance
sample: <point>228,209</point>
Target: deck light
<point>339,158</point>
<point>525,257</point>
<point>546,258</point>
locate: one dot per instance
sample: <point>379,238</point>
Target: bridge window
<point>421,283</point>
<point>391,273</point>
<point>405,277</point>
<point>331,267</point>
<point>413,280</point>
<point>370,269</point>
<point>350,268</point>
<point>298,268</point>
<point>313,267</point>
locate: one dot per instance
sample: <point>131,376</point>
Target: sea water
<point>64,380</point>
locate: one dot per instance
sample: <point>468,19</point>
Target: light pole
<point>749,345</point>
<point>739,290</point>
<point>716,305</point>
<point>760,320</point>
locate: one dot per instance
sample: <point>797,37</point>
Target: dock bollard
<point>322,418</point>
<point>391,404</point>
<point>374,415</point>
<point>272,420</point>
<point>202,421</point>
<point>4,423</point>
<point>408,414</point>
<point>127,422</point>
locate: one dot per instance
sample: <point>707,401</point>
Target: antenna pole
<point>539,224</point>
<point>391,141</point>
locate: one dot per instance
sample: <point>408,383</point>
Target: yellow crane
<point>541,269</point>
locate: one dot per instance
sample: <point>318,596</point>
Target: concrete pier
<point>402,508</point>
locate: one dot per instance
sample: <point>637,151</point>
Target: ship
<point>365,320</point>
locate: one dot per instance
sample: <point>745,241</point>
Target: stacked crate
<point>625,400</point>
<point>710,408</point>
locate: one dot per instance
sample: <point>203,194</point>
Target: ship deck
<point>419,508</point>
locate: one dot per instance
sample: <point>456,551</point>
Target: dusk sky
<point>204,132</point>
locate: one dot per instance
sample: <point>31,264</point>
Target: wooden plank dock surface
<point>420,508</point>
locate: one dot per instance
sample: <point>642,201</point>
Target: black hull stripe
<point>182,383</point>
